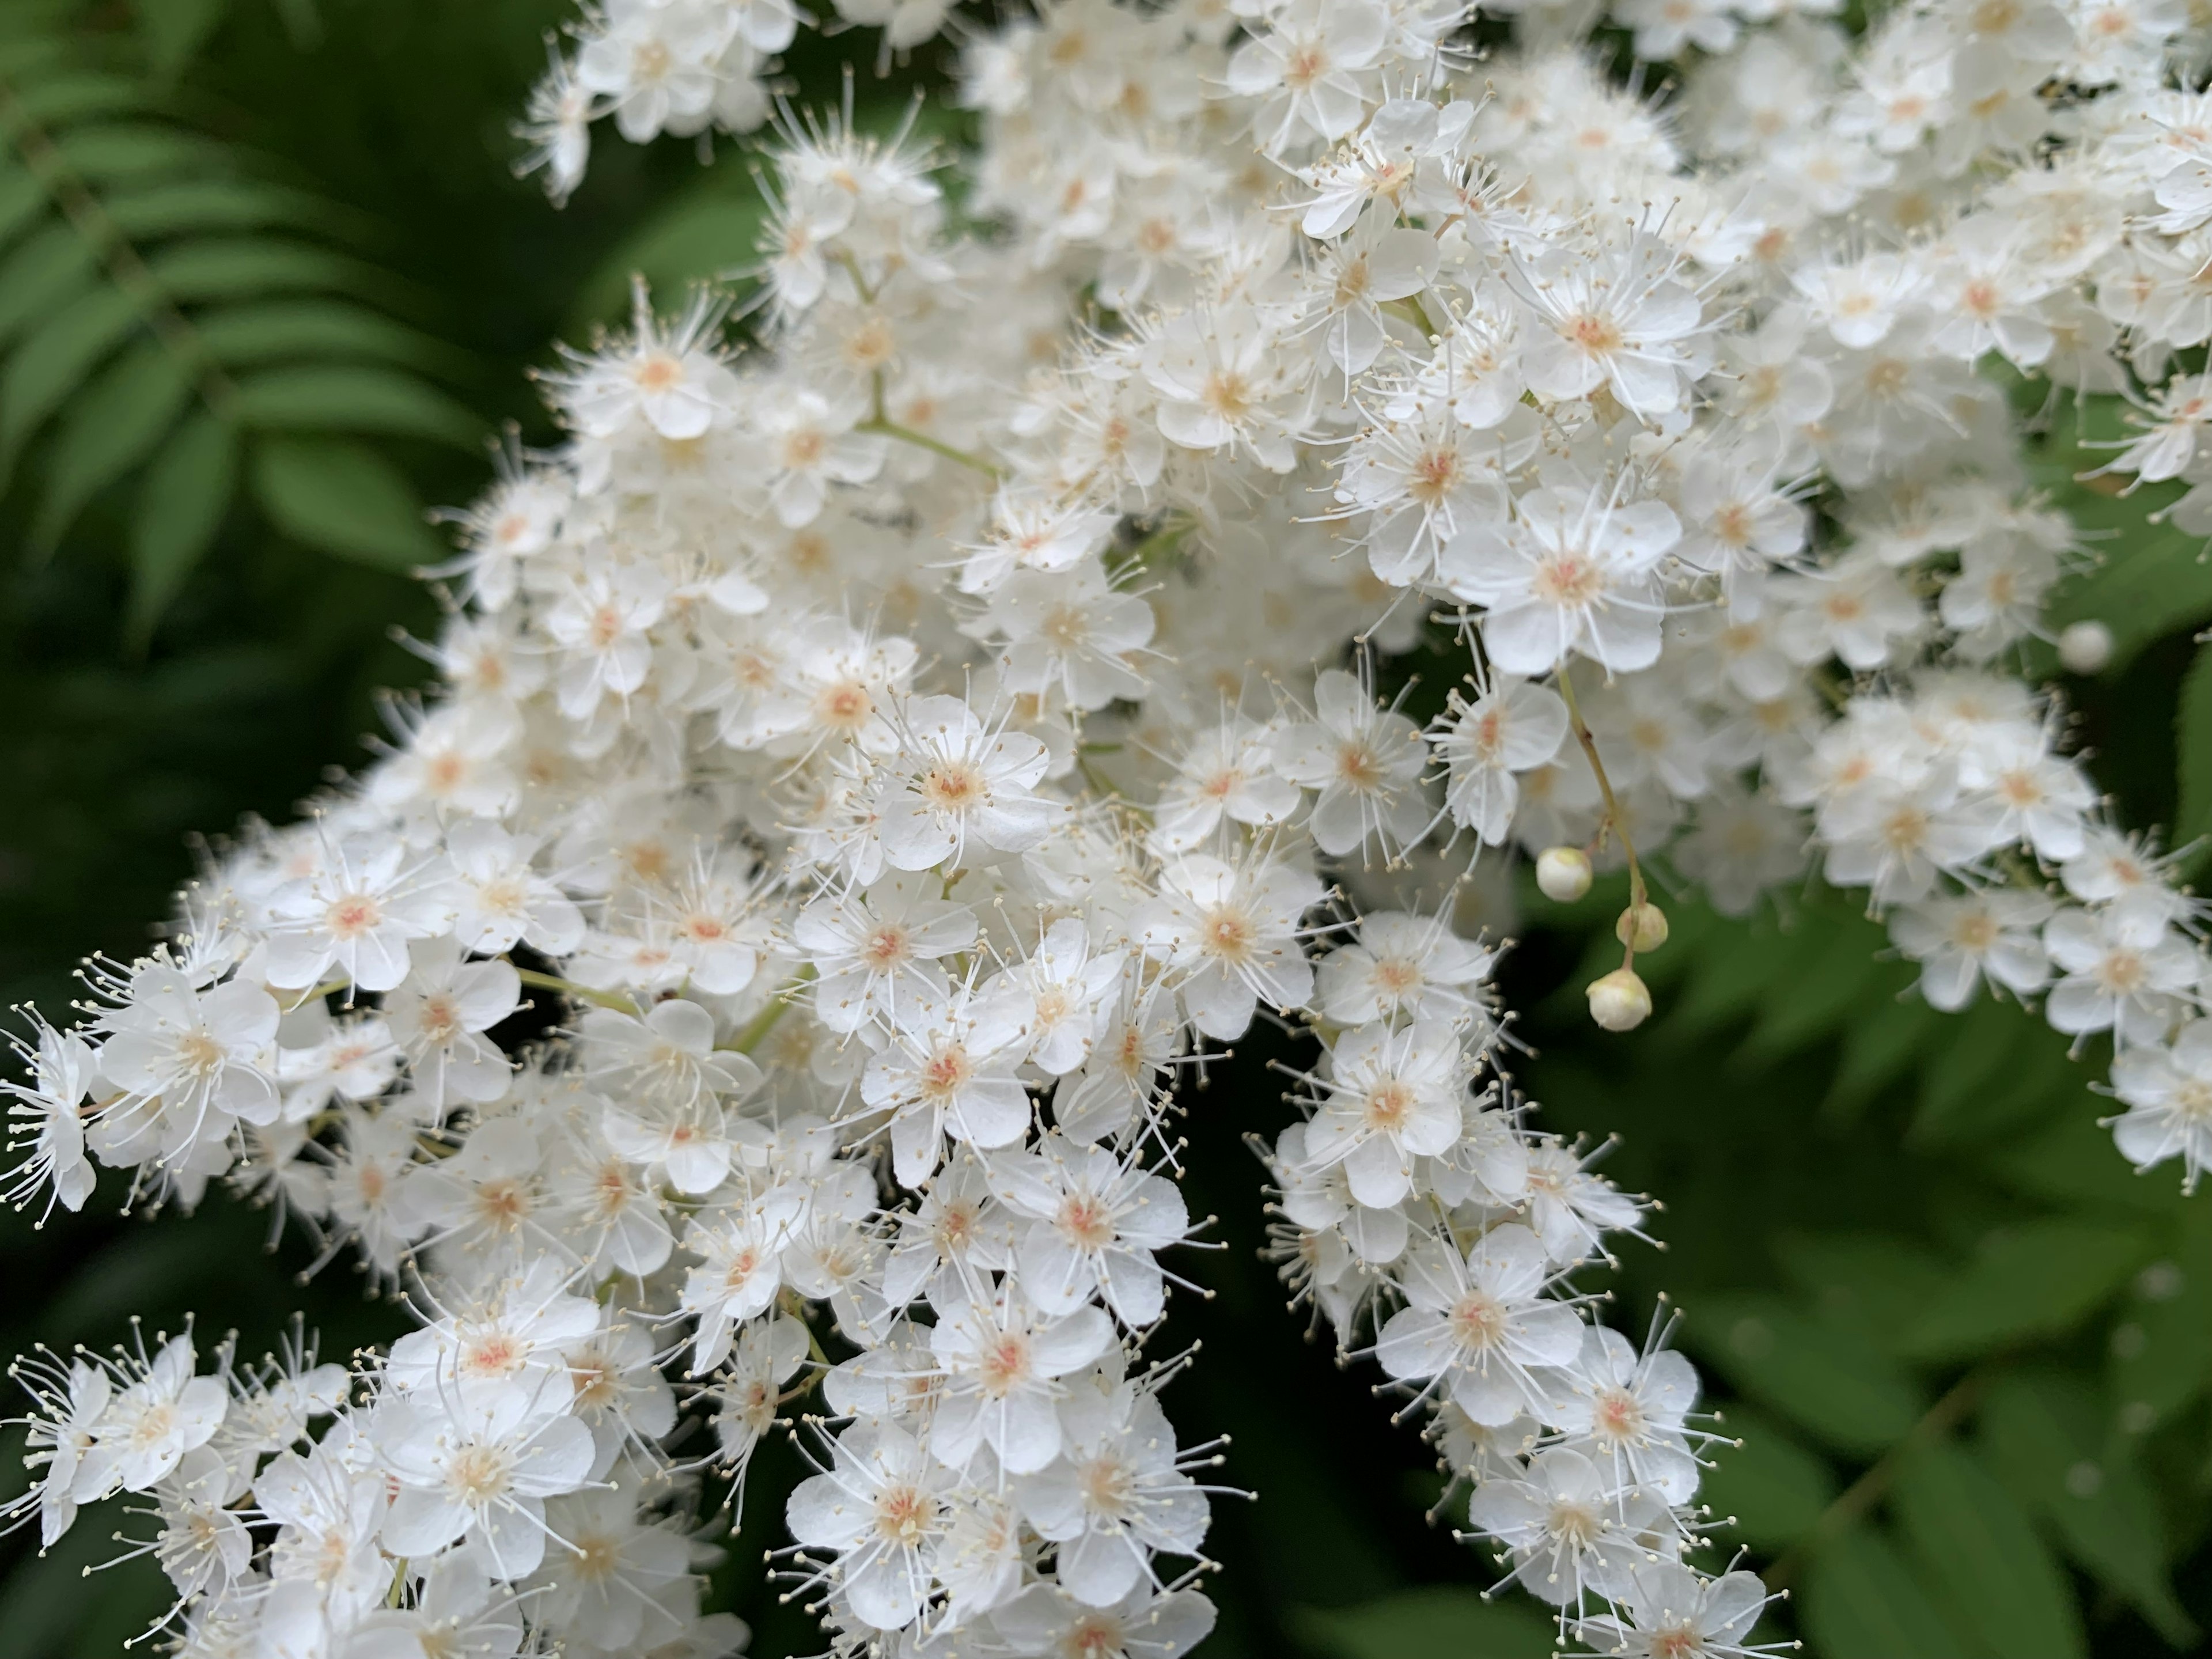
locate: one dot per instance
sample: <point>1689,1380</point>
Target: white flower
<point>1512,727</point>
<point>1480,1326</point>
<point>479,1469</point>
<point>1365,761</point>
<point>1095,1222</point>
<point>1004,1360</point>
<point>1231,933</point>
<point>1959,939</point>
<point>953,780</point>
<point>2122,972</point>
<point>1391,1097</point>
<point>2169,1092</point>
<point>356,913</point>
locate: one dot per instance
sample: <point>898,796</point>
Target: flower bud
<point>2085,647</point>
<point>1620,1001</point>
<point>1642,926</point>
<point>1563,874</point>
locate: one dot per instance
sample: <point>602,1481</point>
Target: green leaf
<point>1982,1081</point>
<point>2046,1439</point>
<point>271,331</point>
<point>2192,759</point>
<point>2035,1279</point>
<point>135,150</point>
<point>1815,1001</point>
<point>74,96</point>
<point>40,274</point>
<point>1860,1603</point>
<point>241,267</point>
<point>355,398</point>
<point>108,430</point>
<point>1870,1284</point>
<point>710,230</point>
<point>1439,1623</point>
<point>2070,1161</point>
<point>55,361</point>
<point>181,507</point>
<point>343,498</point>
<point>2162,1347</point>
<point>1877,1050</point>
<point>1992,1574</point>
<point>22,198</point>
<point>1769,1489</point>
<point>1820,1377</point>
<point>175,30</point>
<point>202,204</point>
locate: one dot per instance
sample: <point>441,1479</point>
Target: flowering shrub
<point>900,752</point>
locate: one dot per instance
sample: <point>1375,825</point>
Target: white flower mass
<point>900,747</point>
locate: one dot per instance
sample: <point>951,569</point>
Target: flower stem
<point>568,987</point>
<point>1615,820</point>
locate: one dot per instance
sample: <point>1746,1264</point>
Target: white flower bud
<point>2085,647</point>
<point>1644,926</point>
<point>1619,1001</point>
<point>1563,874</point>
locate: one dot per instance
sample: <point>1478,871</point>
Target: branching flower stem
<point>1614,819</point>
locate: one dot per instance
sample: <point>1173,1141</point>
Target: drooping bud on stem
<point>1619,1001</point>
<point>1563,874</point>
<point>1642,926</point>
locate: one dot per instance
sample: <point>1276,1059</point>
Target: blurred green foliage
<point>1969,1355</point>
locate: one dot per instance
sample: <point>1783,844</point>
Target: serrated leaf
<point>181,507</point>
<point>239,268</point>
<point>1820,1377</point>
<point>1993,1576</point>
<point>202,204</point>
<point>1440,1623</point>
<point>2047,1440</point>
<point>41,275</point>
<point>2192,758</point>
<point>2035,1279</point>
<point>271,331</point>
<point>1772,1486</point>
<point>55,361</point>
<point>108,430</point>
<point>1872,1285</point>
<point>355,398</point>
<point>1860,1603</point>
<point>343,498</point>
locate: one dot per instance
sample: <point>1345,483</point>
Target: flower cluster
<point>898,751</point>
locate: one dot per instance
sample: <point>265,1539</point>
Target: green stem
<point>1615,821</point>
<point>1863,1493</point>
<point>883,427</point>
<point>765,1022</point>
<point>568,987</point>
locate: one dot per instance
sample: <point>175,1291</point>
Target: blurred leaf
<point>1441,1622</point>
<point>355,398</point>
<point>56,358</point>
<point>1860,1603</point>
<point>1820,1377</point>
<point>180,508</point>
<point>200,204</point>
<point>343,498</point>
<point>1994,1576</point>
<point>112,427</point>
<point>699,237</point>
<point>176,29</point>
<point>2161,1345</point>
<point>2046,1441</point>
<point>2034,1279</point>
<point>271,331</point>
<point>237,268</point>
<point>2192,817</point>
<point>1772,1487</point>
<point>1872,1284</point>
<point>40,274</point>
<point>1877,1050</point>
<point>2072,1161</point>
<point>1975,1084</point>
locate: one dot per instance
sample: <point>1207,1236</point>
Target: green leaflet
<point>343,498</point>
<point>1870,1284</point>
<point>1768,1489</point>
<point>1990,1572</point>
<point>181,507</point>
<point>2192,757</point>
<point>46,271</point>
<point>275,330</point>
<point>2160,1358</point>
<point>355,398</point>
<point>1428,1624</point>
<point>1861,1602</point>
<point>2036,1279</point>
<point>175,30</point>
<point>112,428</point>
<point>2046,1440</point>
<point>56,360</point>
<point>1823,1379</point>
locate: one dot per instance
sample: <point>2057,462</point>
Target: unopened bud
<point>2085,647</point>
<point>1642,926</point>
<point>1620,1001</point>
<point>1563,874</point>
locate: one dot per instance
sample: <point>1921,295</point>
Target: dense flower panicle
<point>901,747</point>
